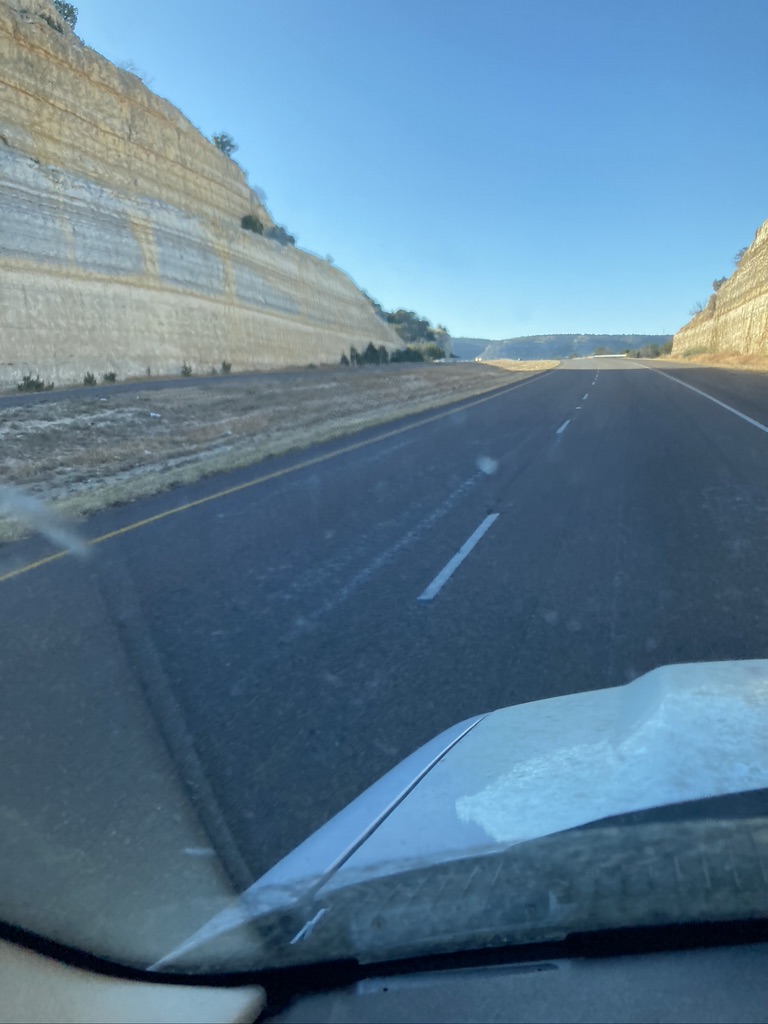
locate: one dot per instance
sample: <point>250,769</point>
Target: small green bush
<point>652,351</point>
<point>252,223</point>
<point>51,22</point>
<point>30,383</point>
<point>109,377</point>
<point>89,379</point>
<point>279,234</point>
<point>67,11</point>
<point>406,355</point>
<point>186,370</point>
<point>344,361</point>
<point>371,355</point>
<point>226,367</point>
<point>224,142</point>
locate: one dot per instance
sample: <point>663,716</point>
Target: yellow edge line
<point>496,393</point>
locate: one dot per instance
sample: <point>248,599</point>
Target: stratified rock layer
<point>121,246</point>
<point>735,320</point>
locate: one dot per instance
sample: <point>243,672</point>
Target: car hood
<point>678,733</point>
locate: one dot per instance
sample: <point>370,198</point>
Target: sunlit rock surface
<point>121,246</point>
<point>736,317</point>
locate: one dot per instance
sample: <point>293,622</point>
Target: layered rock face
<point>736,317</point>
<point>121,246</point>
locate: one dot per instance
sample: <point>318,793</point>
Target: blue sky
<point>504,168</point>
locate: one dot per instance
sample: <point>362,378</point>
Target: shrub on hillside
<point>30,383</point>
<point>652,351</point>
<point>370,356</point>
<point>89,379</point>
<point>406,355</point>
<point>67,11</point>
<point>224,142</point>
<point>252,223</point>
<point>279,234</point>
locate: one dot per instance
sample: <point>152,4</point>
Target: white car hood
<point>678,733</point>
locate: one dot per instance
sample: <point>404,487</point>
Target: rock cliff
<point>735,319</point>
<point>121,246</point>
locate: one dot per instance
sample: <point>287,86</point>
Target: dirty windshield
<point>366,369</point>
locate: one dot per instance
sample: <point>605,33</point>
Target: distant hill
<point>552,346</point>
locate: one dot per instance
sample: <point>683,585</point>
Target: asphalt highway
<point>302,626</point>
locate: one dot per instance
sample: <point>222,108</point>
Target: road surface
<point>303,625</point>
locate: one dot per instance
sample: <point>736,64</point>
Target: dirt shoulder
<point>87,452</point>
<point>531,365</point>
<point>724,360</point>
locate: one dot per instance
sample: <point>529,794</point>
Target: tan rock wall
<point>120,239</point>
<point>736,317</point>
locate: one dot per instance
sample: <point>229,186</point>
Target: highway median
<point>84,453</point>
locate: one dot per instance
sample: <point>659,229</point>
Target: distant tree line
<point>651,351</point>
<point>412,328</point>
<point>379,356</point>
<point>424,343</point>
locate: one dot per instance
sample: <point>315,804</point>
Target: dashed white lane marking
<point>585,397</point>
<point>741,415</point>
<point>311,619</point>
<point>578,406</point>
<point>450,568</point>
<point>562,426</point>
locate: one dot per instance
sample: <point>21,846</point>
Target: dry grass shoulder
<point>523,365</point>
<point>86,452</point>
<point>757,363</point>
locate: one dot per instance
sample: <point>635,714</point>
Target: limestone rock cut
<point>121,239</point>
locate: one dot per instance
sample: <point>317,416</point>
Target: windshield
<point>360,376</point>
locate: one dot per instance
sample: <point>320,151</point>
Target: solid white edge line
<point>741,415</point>
<point>450,568</point>
<point>562,426</point>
